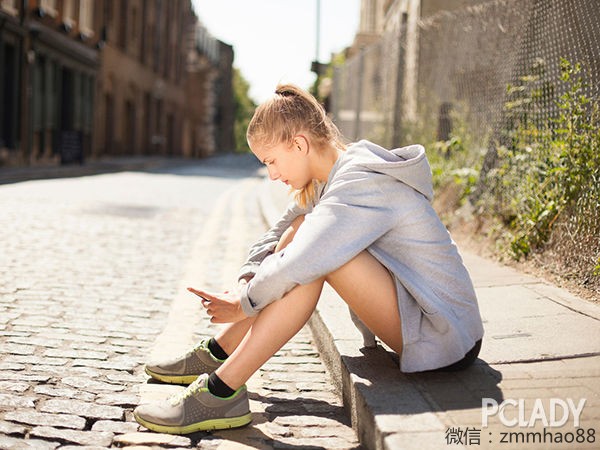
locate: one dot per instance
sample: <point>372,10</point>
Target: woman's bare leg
<point>370,291</point>
<point>363,283</point>
<point>231,335</point>
<point>288,235</point>
<point>274,326</point>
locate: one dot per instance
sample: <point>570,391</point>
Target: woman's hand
<point>222,308</point>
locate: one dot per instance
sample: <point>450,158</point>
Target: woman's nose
<point>273,173</point>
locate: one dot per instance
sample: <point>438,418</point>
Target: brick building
<point>49,59</point>
<point>210,110</point>
<point>85,78</point>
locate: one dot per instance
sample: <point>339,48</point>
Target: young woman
<point>363,223</point>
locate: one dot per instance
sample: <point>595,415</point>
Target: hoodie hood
<point>406,164</point>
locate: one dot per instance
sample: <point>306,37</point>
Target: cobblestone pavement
<point>92,282</point>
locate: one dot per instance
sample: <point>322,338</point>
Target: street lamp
<point>316,66</point>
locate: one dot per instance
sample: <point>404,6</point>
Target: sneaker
<point>196,409</point>
<point>185,369</point>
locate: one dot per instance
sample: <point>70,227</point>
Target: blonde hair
<point>289,112</point>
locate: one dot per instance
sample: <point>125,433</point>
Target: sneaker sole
<point>172,379</point>
<point>206,425</point>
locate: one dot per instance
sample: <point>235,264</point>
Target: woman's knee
<point>288,235</point>
<point>369,289</point>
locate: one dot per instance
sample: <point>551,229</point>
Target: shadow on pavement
<point>390,391</point>
<point>233,165</point>
<point>252,435</point>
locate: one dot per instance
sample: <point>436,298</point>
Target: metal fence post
<point>397,117</point>
<point>361,72</point>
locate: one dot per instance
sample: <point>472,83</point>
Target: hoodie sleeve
<point>265,246</point>
<point>352,214</point>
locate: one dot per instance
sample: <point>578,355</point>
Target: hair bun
<point>286,91</point>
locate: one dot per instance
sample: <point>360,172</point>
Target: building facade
<point>87,79</point>
<point>49,59</point>
<point>208,125</point>
<point>376,92</point>
<point>159,89</point>
<point>141,96</point>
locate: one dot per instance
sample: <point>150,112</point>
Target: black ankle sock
<point>216,349</point>
<point>217,387</point>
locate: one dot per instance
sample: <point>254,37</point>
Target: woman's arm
<point>353,213</point>
<point>265,246</point>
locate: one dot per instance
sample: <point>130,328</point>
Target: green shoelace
<point>192,389</point>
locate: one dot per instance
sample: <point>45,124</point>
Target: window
<point>49,7</point>
<point>69,13</point>
<point>10,6</point>
<point>109,131</point>
<point>145,27</point>
<point>134,24</point>
<point>122,35</point>
<point>9,119</point>
<point>86,17</point>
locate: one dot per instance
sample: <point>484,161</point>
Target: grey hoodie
<point>378,200</point>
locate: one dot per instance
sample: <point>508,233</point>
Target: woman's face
<point>285,162</point>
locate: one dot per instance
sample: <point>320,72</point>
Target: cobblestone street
<point>93,280</point>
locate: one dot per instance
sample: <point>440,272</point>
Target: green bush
<point>457,160</point>
<point>547,166</point>
<point>244,109</point>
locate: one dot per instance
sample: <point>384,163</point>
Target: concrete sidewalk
<point>103,165</point>
<point>540,351</point>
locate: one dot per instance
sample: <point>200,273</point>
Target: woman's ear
<point>301,144</point>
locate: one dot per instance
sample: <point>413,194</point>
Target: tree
<point>244,108</point>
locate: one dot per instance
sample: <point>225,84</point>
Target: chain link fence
<point>482,73</point>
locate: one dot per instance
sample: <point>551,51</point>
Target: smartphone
<point>194,291</point>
